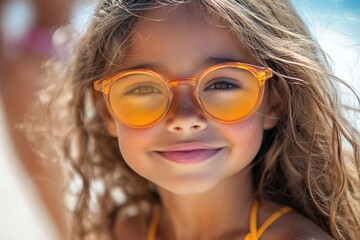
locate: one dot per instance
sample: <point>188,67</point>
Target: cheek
<point>249,127</point>
<point>245,139</point>
<point>132,145</point>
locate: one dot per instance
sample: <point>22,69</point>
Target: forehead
<point>181,38</point>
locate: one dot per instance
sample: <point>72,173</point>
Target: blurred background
<point>26,211</point>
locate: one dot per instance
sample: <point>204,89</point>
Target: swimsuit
<point>254,233</point>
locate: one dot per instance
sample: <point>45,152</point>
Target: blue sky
<point>340,15</point>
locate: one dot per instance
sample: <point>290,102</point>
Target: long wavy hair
<point>309,161</point>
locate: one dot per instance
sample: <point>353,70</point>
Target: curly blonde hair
<point>303,162</point>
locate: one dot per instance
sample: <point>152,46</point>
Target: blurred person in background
<point>20,70</point>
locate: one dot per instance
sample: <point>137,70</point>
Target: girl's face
<point>181,45</point>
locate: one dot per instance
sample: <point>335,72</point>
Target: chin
<point>189,186</point>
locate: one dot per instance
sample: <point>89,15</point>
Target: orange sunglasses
<point>227,92</point>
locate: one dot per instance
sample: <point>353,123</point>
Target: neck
<point>223,210</point>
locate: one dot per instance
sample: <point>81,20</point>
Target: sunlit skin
<point>193,194</point>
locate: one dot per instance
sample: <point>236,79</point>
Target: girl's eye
<point>143,90</point>
<point>223,84</point>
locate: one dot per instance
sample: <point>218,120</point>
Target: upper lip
<point>189,146</point>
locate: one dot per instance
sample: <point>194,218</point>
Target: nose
<point>185,116</point>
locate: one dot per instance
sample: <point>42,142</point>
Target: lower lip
<point>193,156</point>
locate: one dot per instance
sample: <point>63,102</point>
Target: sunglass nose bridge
<point>184,81</point>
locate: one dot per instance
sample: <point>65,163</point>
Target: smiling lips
<point>188,153</point>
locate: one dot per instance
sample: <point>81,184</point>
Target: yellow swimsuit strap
<point>153,225</point>
<point>256,233</point>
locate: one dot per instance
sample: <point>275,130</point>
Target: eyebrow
<point>217,60</point>
<point>150,66</point>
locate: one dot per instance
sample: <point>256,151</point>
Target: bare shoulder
<point>130,226</point>
<point>294,226</point>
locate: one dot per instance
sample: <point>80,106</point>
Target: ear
<point>274,106</point>
<point>109,122</point>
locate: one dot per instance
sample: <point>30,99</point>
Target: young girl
<point>205,120</point>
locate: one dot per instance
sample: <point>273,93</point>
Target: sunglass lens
<point>229,94</point>
<point>138,99</point>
